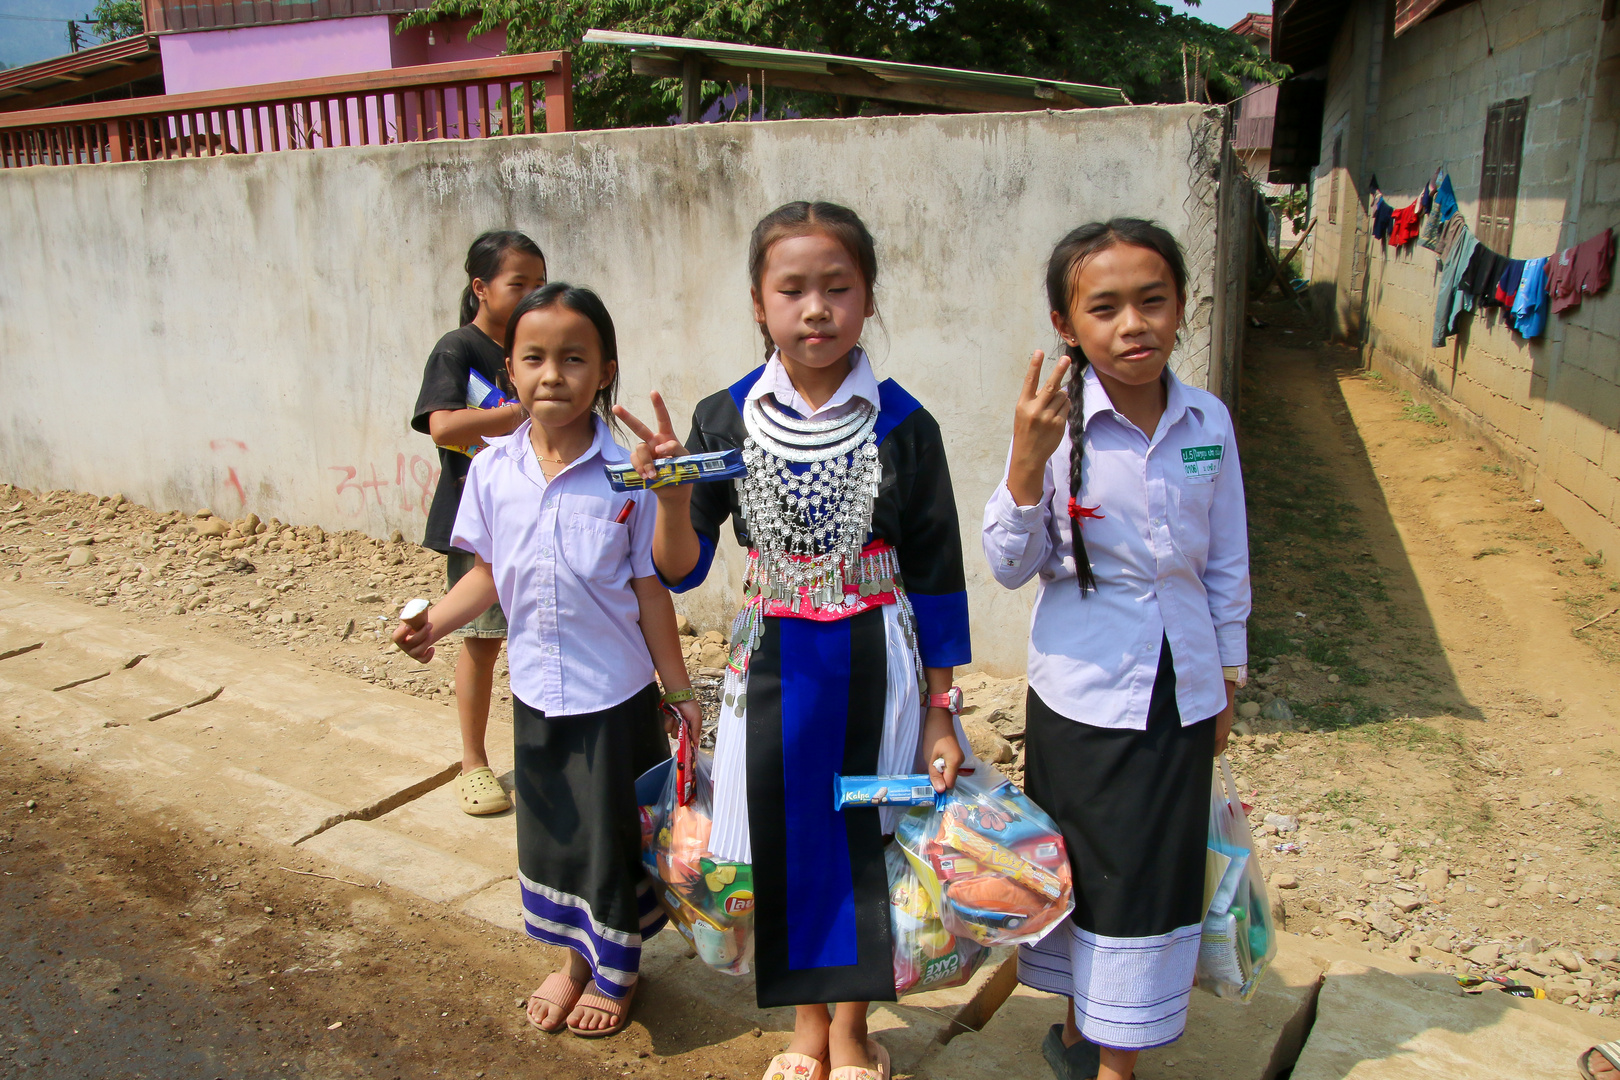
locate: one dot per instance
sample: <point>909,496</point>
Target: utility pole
<point>74,34</point>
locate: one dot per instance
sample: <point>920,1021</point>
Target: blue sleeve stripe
<point>739,389</point>
<point>942,629</point>
<point>699,572</point>
<point>894,405</point>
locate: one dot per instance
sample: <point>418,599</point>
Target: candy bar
<point>993,856</point>
<point>692,469</point>
<point>910,790</point>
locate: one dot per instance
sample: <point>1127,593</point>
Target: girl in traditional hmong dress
<point>854,617</point>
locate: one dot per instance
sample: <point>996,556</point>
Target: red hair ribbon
<point>1078,512</point>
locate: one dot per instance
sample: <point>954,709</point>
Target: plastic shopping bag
<point>926,955</point>
<point>1239,939</point>
<point>993,863</point>
<point>709,900</point>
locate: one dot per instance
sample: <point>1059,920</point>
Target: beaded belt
<point>873,582</point>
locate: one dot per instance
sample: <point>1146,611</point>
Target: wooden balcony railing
<point>472,99</point>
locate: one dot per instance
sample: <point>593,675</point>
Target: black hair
<point>584,302</point>
<point>484,261</point>
<point>1061,271</point>
<point>801,219</point>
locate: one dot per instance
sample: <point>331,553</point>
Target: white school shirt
<point>859,383</point>
<point>1170,554</point>
<point>562,570</point>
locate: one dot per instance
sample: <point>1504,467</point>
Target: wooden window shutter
<point>1499,173</point>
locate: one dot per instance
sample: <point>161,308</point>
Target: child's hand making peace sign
<point>654,445</point>
<point>1039,422</point>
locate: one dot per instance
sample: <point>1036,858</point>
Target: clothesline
<point>1474,276</point>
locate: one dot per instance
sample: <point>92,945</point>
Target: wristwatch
<point>950,700</point>
<point>1239,675</point>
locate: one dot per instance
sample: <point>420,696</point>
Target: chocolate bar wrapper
<point>692,469</point>
<point>906,790</point>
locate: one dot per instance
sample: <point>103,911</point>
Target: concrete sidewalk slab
<point>1224,1040</point>
<point>436,819</point>
<point>1372,1025</point>
<point>377,854</point>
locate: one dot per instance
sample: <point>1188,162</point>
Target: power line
<point>34,18</point>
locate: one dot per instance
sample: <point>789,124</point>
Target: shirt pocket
<point>1190,502</point>
<point>595,547</point>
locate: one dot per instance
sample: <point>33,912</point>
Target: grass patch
<point>1418,412</point>
<point>1594,561</point>
<point>1493,468</point>
<point>1482,552</point>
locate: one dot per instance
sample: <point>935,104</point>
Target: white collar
<point>1176,399</point>
<point>517,444</point>
<point>859,383</point>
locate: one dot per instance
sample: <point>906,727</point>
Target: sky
<point>23,41</point>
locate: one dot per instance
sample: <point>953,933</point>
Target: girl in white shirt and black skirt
<point>1124,495</point>
<point>570,560</point>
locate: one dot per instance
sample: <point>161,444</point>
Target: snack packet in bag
<point>992,861</point>
<point>1239,939</point>
<point>709,900</point>
<point>926,955</point>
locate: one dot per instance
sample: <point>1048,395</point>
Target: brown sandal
<point>616,1007</point>
<point>558,990</point>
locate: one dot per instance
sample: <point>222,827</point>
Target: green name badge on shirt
<point>1201,461</point>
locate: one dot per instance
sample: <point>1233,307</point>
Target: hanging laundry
<point>1383,214</point>
<point>1403,227</point>
<point>1445,199</point>
<point>1581,270</point>
<point>1507,289</point>
<point>1451,299</point>
<point>1530,305</point>
<point>1426,200</point>
<point>1480,276</point>
<point>1507,286</point>
<point>1448,236</point>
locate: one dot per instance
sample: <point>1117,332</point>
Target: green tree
<point>115,20</point>
<point>1136,45</point>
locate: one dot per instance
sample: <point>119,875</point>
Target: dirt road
<point>1450,760</point>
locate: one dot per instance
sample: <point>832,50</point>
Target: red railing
<point>504,95</point>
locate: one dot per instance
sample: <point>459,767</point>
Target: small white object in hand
<point>413,613</point>
<point>939,763</point>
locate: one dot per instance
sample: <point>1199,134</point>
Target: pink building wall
<point>216,59</point>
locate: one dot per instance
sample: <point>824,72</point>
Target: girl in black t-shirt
<point>502,268</point>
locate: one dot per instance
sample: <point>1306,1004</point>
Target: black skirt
<point>816,693</point>
<point>579,832</point>
<point>1133,807</point>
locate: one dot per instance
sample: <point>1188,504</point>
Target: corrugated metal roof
<point>1256,115</point>
<point>1039,93</point>
<point>20,87</point>
<point>169,16</point>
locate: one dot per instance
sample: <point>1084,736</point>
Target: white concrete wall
<point>248,333</point>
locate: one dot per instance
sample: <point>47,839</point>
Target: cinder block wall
<point>1551,405</point>
<point>248,333</point>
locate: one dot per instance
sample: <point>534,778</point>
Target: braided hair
<point>1062,270</point>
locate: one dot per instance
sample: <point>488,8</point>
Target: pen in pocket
<point>624,515</point>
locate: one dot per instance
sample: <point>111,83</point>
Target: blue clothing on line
<point>1445,199</point>
<point>1530,305</point>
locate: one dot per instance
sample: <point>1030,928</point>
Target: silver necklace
<point>809,524</point>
